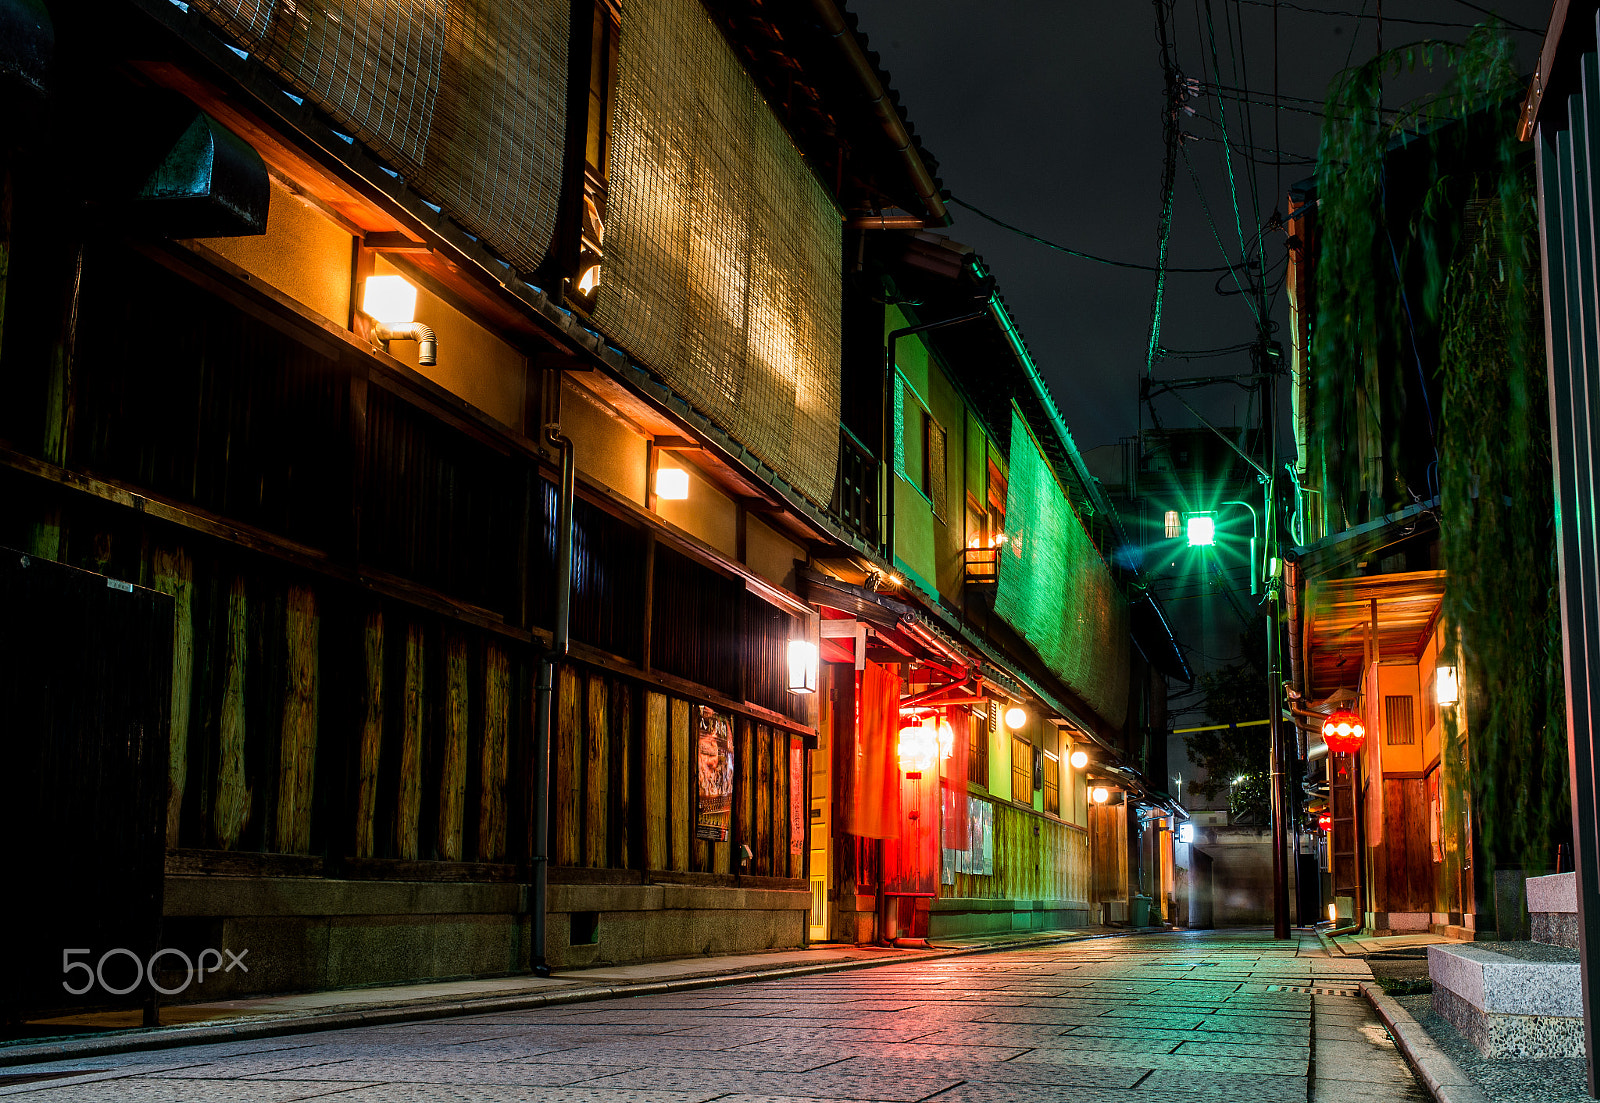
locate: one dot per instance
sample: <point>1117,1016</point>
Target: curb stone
<point>167,1037</point>
<point>1443,1078</point>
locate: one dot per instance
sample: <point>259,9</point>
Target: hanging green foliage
<point>1428,379</point>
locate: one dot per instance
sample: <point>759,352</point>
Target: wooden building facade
<point>356,517</point>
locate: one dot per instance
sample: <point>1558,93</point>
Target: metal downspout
<point>542,699</point>
<point>894,127</point>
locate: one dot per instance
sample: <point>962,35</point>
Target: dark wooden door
<point>85,684</point>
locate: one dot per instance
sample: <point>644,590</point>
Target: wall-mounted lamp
<point>672,483</point>
<point>1186,833</point>
<point>1446,689</point>
<point>1100,794</point>
<point>802,666</point>
<point>1079,759</point>
<point>391,302</point>
<point>1016,717</point>
<point>1201,528</point>
<point>919,748</point>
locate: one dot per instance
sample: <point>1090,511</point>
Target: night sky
<point>1047,114</point>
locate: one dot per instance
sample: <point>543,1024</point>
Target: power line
<point>1079,253</point>
<point>1497,15</point>
<point>1387,18</point>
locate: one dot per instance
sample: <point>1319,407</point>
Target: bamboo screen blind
<point>1056,590</point>
<point>466,99</point>
<point>722,266</point>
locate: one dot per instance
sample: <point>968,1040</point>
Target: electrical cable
<point>1390,18</point>
<point>1497,15</point>
<point>1080,254</point>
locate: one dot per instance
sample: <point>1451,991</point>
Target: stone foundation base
<point>1497,1035</point>
<point>1555,928</point>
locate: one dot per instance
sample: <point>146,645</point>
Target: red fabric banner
<point>875,794</point>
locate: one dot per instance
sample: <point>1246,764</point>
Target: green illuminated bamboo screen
<point>722,251</point>
<point>466,100</point>
<point>1055,590</point>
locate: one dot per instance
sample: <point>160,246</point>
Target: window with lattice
<point>1052,783</point>
<point>1021,770</point>
<point>937,441</point>
<point>978,751</point>
<point>1399,724</point>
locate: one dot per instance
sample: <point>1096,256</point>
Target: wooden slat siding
<point>371,738</point>
<point>657,782</point>
<point>231,809</point>
<point>684,804</point>
<point>297,761</point>
<point>739,827</point>
<point>494,763</point>
<point>621,840</point>
<point>596,765</point>
<point>413,710</point>
<point>763,811</point>
<point>173,573</point>
<point>568,768</point>
<point>453,753</point>
<point>780,804</point>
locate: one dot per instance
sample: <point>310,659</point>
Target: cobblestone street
<point>1219,1016</point>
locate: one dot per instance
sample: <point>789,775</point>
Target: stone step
<point>1553,909</point>
<point>1510,999</point>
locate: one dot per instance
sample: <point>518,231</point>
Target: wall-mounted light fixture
<point>1016,717</point>
<point>919,748</point>
<point>1079,759</point>
<point>802,666</point>
<point>672,483</point>
<point>1446,690</point>
<point>391,303</point>
<point>1186,833</point>
<point>1100,794</point>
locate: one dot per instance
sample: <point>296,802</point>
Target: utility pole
<point>1270,357</point>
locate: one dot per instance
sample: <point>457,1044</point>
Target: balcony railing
<point>855,489</point>
<point>982,568</point>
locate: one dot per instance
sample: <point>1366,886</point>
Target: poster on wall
<point>978,858</point>
<point>715,758</point>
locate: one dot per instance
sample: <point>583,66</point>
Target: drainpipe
<point>427,343</point>
<point>888,420</point>
<point>542,707</point>
<point>855,59</point>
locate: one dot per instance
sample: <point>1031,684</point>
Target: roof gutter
<point>894,127</point>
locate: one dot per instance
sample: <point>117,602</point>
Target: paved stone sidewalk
<point>1213,1016</point>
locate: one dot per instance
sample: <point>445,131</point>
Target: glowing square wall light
<point>391,300</point>
<point>1202,530</point>
<point>1445,687</point>
<point>672,483</point>
<point>802,666</point>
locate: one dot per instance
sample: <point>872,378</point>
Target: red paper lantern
<point>1324,821</point>
<point>1343,731</point>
